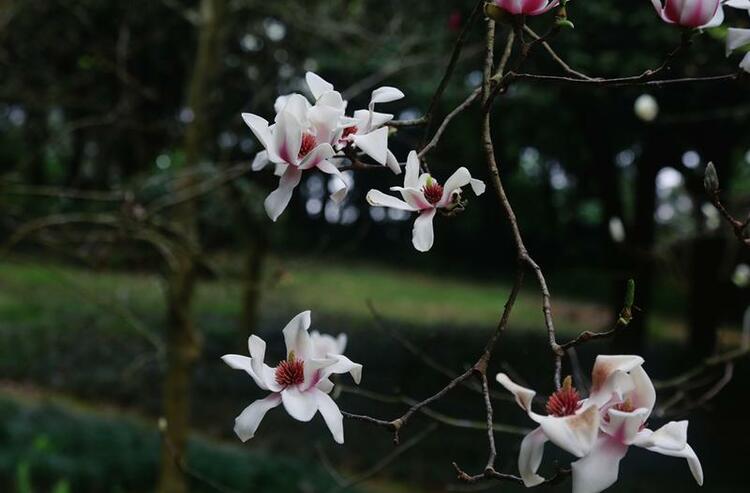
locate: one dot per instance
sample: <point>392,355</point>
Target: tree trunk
<point>183,347</point>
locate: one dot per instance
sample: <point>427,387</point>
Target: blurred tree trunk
<point>183,345</point>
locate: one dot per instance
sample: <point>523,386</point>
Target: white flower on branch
<point>600,429</point>
<point>423,194</point>
<point>300,382</point>
<point>306,136</point>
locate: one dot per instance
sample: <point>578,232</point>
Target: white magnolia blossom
<point>324,344</point>
<point>300,382</point>
<point>423,194</point>
<point>621,400</point>
<point>737,38</point>
<point>306,136</point>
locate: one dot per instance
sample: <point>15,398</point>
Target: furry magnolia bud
<point>711,179</point>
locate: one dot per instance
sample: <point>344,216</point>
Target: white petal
<point>393,163</point>
<point>414,198</point>
<point>609,377</point>
<point>317,156</point>
<point>244,363</point>
<point>460,178</point>
<point>671,436</point>
<point>314,371</point>
<point>716,20</point>
<point>367,120</point>
<point>317,84</point>
<point>257,348</point>
<point>259,127</point>
<point>281,101</point>
<point>477,186</point>
<point>598,470</point>
<point>343,365</point>
<point>325,122</point>
<point>331,415</point>
<point>738,4</point>
<point>385,94</point>
<point>379,199</point>
<point>302,406</point>
<point>280,169</point>
<point>260,161</point>
<point>325,385</point>
<point>422,235</point>
<point>341,341</point>
<point>745,63</point>
<point>624,426</point>
<point>737,38</point>
<point>687,453</point>
<point>248,421</point>
<point>643,393</point>
<point>287,136</point>
<point>297,338</point>
<point>411,178</point>
<point>340,189</point>
<point>374,144</point>
<point>530,457</point>
<point>524,397</point>
<point>277,200</point>
<point>297,106</point>
<point>576,433</point>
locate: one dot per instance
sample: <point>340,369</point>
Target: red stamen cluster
<point>433,192</point>
<point>564,402</point>
<point>349,131</point>
<point>308,144</point>
<point>290,372</point>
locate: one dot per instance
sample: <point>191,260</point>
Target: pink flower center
<point>349,131</point>
<point>433,192</point>
<point>565,401</point>
<point>308,144</point>
<point>290,372</point>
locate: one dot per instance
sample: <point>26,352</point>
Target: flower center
<point>433,192</point>
<point>349,131</point>
<point>564,402</point>
<point>308,144</point>
<point>626,407</point>
<point>290,372</point>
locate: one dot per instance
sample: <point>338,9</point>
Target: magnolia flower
<point>621,400</point>
<point>526,7</point>
<point>324,344</point>
<point>300,382</point>
<point>625,396</point>
<point>737,38</point>
<point>690,13</point>
<point>424,195</point>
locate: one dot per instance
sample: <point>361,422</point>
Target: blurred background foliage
<point>95,97</point>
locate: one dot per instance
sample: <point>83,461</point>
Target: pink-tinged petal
<point>315,157</point>
<point>331,415</point>
<point>660,9</point>
<point>314,371</point>
<point>524,397</point>
<point>277,200</point>
<point>422,236</point>
<point>244,363</point>
<point>575,434</point>
<point>737,38</point>
<point>671,436</point>
<point>393,163</point>
<point>343,365</point>
<point>246,424</point>
<point>414,198</point>
<point>377,198</point>
<point>623,426</point>
<point>598,470</point>
<point>687,453</point>
<point>317,84</point>
<point>302,406</point>
<point>643,394</point>
<point>374,144</point>
<point>609,377</point>
<point>340,189</point>
<point>297,338</point>
<point>530,457</point>
<point>411,178</point>
<point>717,20</point>
<point>260,161</point>
<point>287,137</point>
<point>545,8</point>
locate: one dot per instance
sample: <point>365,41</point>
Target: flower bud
<point>689,13</point>
<point>499,9</point>
<point>711,179</point>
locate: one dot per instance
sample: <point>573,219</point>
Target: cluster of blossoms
<point>600,429</point>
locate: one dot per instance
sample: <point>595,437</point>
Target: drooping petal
<point>317,84</point>
<point>477,186</point>
<point>609,377</point>
<point>302,406</point>
<point>343,365</point>
<point>260,161</point>
<point>524,397</point>
<point>643,393</point>
<point>379,199</point>
<point>259,127</point>
<point>576,433</point>
<point>277,200</point>
<point>687,453</point>
<point>331,414</point>
<point>246,424</point>
<point>385,94</point>
<point>671,436</point>
<point>374,144</point>
<point>530,457</point>
<point>297,338</point>
<point>422,235</point>
<point>737,38</point>
<point>460,178</point>
<point>325,385</point>
<point>280,169</point>
<point>624,426</point>
<point>340,189</point>
<point>393,163</point>
<point>244,363</point>
<point>315,157</point>
<point>598,470</point>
